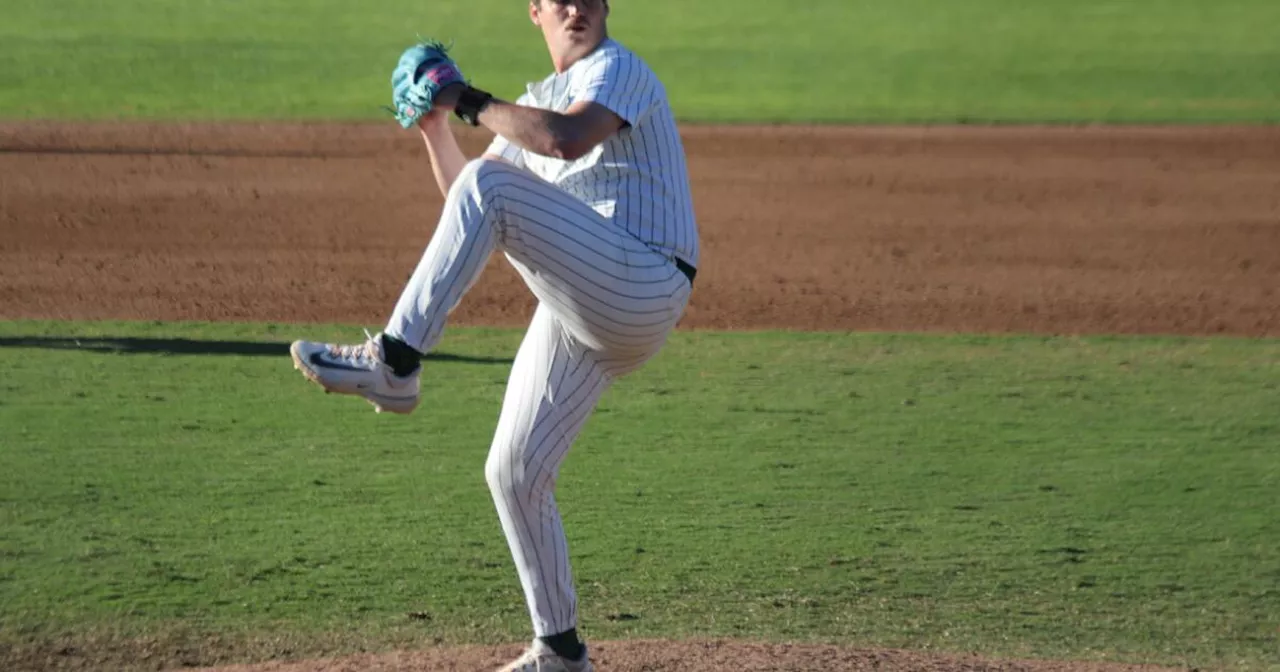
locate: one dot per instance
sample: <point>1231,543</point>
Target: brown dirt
<point>694,656</point>
<point>194,653</point>
<point>1064,230</point>
<point>1103,230</point>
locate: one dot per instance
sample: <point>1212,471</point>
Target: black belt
<point>689,271</point>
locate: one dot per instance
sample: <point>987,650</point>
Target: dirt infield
<point>1086,230</point>
<point>1103,230</point>
<point>709,656</point>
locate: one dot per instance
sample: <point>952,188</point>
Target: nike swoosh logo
<point>317,359</point>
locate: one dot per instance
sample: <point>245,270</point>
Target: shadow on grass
<point>183,346</point>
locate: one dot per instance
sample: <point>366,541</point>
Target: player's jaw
<point>570,25</point>
<point>581,31</point>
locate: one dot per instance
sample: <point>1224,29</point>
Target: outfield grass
<point>1058,497</point>
<point>723,60</point>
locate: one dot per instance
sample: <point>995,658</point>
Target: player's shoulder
<point>611,50</point>
<point>613,55</point>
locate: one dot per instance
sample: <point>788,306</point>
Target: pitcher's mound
<point>687,656</point>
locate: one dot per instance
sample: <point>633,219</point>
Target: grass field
<point>1073,497</point>
<point>1078,498</point>
<point>723,60</point>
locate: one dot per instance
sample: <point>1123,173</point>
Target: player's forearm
<point>447,159</point>
<point>539,131</point>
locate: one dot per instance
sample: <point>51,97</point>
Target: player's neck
<point>563,56</point>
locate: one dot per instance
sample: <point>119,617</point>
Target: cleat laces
<point>361,354</point>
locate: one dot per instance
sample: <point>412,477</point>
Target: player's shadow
<point>183,346</point>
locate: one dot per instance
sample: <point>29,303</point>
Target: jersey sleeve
<point>620,82</point>
<point>509,151</point>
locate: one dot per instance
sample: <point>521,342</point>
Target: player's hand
<point>435,120</point>
<point>425,70</point>
<point>447,98</point>
<point>441,109</point>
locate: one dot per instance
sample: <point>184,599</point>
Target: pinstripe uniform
<point>596,240</point>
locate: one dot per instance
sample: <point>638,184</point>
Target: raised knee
<point>478,169</point>
<point>476,175</point>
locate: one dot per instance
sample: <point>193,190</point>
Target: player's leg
<point>611,290</point>
<point>384,369</point>
<point>554,385</point>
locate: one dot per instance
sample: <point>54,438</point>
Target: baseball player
<point>585,190</point>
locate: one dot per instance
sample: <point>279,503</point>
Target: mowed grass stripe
<point>1059,497</point>
<point>723,60</point>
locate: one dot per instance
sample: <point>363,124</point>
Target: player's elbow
<point>569,141</point>
<point>569,145</point>
<point>570,150</point>
<point>552,147</point>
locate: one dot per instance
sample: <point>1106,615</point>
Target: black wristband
<point>470,103</point>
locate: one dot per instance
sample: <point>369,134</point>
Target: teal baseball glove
<point>424,70</point>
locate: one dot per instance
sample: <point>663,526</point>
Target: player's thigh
<point>608,286</point>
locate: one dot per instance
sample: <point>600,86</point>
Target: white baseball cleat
<point>540,658</point>
<point>358,370</point>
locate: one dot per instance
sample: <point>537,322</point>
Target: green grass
<point>1048,497</point>
<point>723,60</point>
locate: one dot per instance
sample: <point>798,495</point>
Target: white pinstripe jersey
<point>637,177</point>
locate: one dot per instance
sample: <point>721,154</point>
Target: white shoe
<point>358,370</point>
<point>540,658</point>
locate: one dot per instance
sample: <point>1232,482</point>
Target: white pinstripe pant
<point>606,304</point>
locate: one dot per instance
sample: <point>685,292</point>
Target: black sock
<point>402,359</point>
<point>565,644</point>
